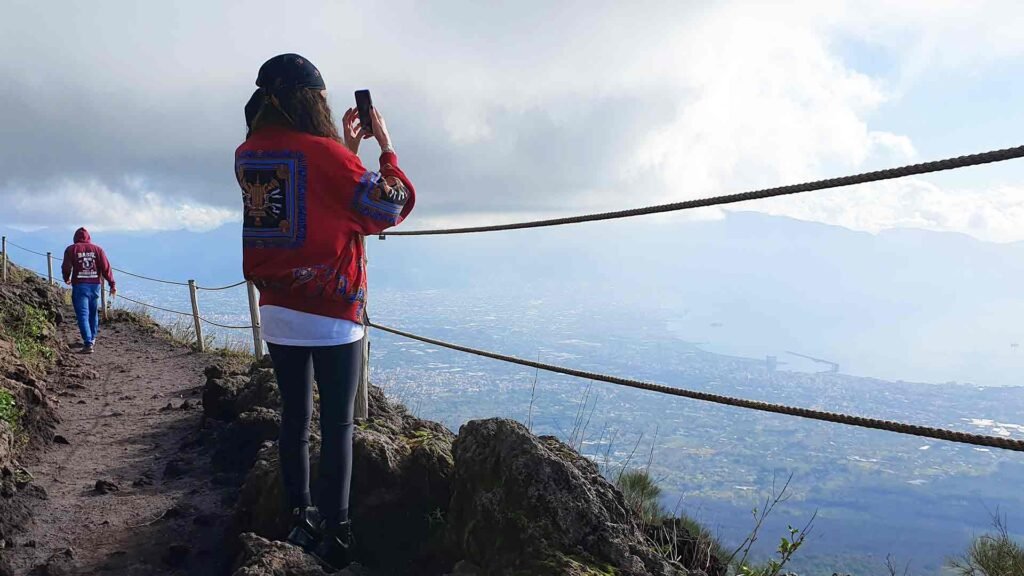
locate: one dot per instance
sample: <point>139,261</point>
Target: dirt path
<point>133,419</point>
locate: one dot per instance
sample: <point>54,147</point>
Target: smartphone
<point>363,106</point>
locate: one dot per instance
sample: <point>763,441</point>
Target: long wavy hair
<point>302,109</point>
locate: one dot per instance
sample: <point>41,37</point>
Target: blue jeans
<point>86,300</point>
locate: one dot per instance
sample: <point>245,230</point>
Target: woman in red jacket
<point>308,202</point>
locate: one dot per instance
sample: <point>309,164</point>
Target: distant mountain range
<point>901,304</point>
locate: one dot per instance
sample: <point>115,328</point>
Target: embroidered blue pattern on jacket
<point>379,199</point>
<point>274,198</point>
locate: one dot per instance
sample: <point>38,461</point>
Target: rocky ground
<point>147,458</point>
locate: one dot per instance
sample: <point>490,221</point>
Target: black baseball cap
<point>289,71</point>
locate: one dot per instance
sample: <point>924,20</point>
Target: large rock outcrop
<point>528,505</point>
<point>496,500</point>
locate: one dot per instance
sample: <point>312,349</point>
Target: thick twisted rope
<point>43,254</point>
<point>141,277</point>
<point>179,312</point>
<point>153,306</point>
<point>116,269</point>
<point>834,417</point>
<point>887,174</point>
<point>236,284</point>
<point>212,323</point>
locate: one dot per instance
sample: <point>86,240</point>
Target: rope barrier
<point>834,417</point>
<point>154,307</point>
<point>887,174</point>
<point>118,269</point>
<point>43,254</point>
<point>150,279</point>
<point>208,321</point>
<point>235,285</point>
<point>211,322</point>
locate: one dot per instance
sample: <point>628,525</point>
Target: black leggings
<point>337,371</point>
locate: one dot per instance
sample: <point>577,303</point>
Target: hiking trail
<point>131,491</point>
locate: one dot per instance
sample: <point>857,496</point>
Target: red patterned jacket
<point>308,201</point>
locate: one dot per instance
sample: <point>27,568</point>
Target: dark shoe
<point>306,528</point>
<point>335,548</point>
<point>87,349</point>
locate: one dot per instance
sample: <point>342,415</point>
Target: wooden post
<point>362,407</point>
<point>5,258</point>
<point>200,345</point>
<point>49,267</point>
<point>254,316</point>
<point>103,298</point>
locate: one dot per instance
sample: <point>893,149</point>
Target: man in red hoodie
<point>85,266</point>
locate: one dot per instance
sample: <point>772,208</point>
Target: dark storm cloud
<point>182,146</point>
<point>143,100</point>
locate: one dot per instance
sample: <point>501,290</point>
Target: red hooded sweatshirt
<point>308,201</point>
<point>85,262</point>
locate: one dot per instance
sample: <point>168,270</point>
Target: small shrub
<point>707,542</point>
<point>9,411</point>
<point>234,348</point>
<point>991,554</point>
<point>642,495</point>
<point>182,332</point>
<point>788,545</point>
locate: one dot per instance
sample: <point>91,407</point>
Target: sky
<point>124,116</point>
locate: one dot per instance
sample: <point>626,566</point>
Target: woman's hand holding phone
<point>380,131</point>
<point>353,133</point>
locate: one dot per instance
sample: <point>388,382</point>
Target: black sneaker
<point>87,349</point>
<point>335,549</point>
<point>306,528</point>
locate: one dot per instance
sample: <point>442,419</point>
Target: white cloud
<point>771,103</point>
<point>994,215</point>
<point>98,207</point>
<point>529,108</point>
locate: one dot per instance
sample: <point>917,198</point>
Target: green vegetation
<point>9,411</point>
<point>234,349</point>
<point>788,544</point>
<point>582,566</point>
<point>642,495</point>
<point>432,442</point>
<point>29,328</point>
<point>991,554</point>
<point>182,331</point>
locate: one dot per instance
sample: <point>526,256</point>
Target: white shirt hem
<point>312,343</point>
